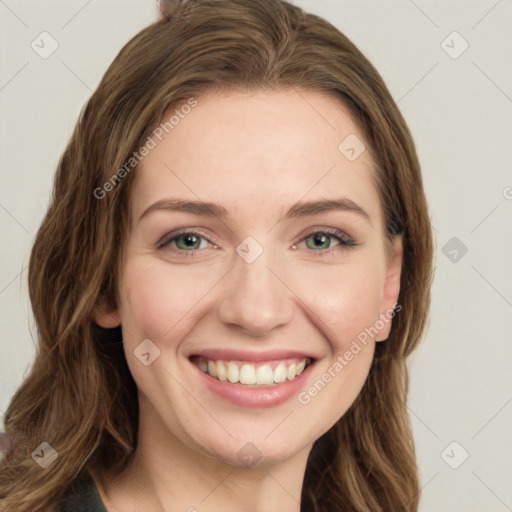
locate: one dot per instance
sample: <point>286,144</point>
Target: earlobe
<point>106,316</point>
<point>391,290</point>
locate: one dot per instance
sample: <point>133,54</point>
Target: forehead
<point>255,151</point>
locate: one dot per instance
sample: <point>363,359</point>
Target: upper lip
<point>256,356</point>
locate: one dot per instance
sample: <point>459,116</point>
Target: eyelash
<point>345,242</point>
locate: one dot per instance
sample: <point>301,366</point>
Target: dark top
<point>82,496</point>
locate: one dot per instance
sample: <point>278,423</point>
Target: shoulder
<point>82,496</point>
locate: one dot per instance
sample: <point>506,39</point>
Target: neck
<point>168,474</point>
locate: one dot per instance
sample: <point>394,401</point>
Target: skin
<point>285,145</point>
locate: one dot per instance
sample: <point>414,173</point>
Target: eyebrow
<point>299,209</point>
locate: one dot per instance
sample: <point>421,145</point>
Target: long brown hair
<point>79,396</point>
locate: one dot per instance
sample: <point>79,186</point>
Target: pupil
<point>320,239</point>
<point>189,240</point>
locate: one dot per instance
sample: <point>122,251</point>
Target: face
<point>256,246</point>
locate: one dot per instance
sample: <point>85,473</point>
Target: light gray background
<point>460,113</point>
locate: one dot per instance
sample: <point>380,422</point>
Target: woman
<point>234,267</point>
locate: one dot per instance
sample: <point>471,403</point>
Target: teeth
<point>221,371</point>
<point>265,375</point>
<point>232,372</point>
<point>247,374</point>
<point>291,372</point>
<point>212,368</point>
<point>280,373</point>
<point>251,374</point>
<point>300,367</point>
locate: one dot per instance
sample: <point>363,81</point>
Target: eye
<point>320,240</point>
<point>184,241</point>
<point>189,243</point>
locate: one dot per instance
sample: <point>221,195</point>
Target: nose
<point>256,297</point>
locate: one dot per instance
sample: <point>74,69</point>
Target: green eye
<point>319,241</point>
<point>188,241</point>
<point>184,242</point>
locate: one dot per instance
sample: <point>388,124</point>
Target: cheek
<point>346,307</point>
<point>344,299</point>
<point>155,300</point>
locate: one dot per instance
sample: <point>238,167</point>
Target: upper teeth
<point>264,374</point>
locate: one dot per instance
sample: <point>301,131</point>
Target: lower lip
<point>257,397</point>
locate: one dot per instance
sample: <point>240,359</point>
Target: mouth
<point>253,374</point>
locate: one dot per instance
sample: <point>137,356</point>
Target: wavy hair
<point>79,395</point>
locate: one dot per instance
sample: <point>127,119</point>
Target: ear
<point>391,289</point>
<point>106,315</point>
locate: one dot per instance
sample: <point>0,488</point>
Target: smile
<point>263,373</point>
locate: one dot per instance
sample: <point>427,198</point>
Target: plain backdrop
<point>448,65</point>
